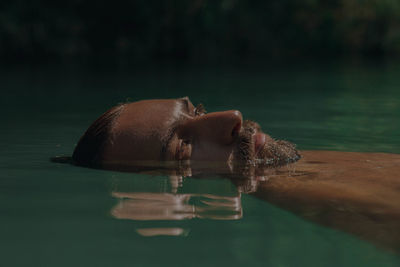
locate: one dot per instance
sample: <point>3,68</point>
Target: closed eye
<point>183,150</point>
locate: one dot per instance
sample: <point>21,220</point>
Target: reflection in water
<point>173,231</point>
<point>172,206</point>
<point>166,206</point>
<point>358,193</point>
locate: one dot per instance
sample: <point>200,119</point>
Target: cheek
<point>211,152</point>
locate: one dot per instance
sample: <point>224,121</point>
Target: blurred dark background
<point>197,31</point>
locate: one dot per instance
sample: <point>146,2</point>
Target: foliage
<point>197,30</point>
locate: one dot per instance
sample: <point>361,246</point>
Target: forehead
<point>151,117</point>
<point>142,128</point>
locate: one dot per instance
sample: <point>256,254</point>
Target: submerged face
<point>175,130</point>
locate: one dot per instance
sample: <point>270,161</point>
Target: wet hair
<point>89,150</point>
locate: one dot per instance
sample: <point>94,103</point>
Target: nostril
<point>236,129</point>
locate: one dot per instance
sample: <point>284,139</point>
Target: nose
<point>219,127</point>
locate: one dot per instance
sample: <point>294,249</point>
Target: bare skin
<point>149,132</point>
<point>358,193</point>
<point>355,192</point>
<point>164,129</point>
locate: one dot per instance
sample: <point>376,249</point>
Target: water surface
<point>62,215</point>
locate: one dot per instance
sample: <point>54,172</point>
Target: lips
<point>259,142</point>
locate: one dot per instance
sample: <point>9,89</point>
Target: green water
<point>61,215</point>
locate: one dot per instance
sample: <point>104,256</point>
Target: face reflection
<point>176,130</point>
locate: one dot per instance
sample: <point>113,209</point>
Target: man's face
<point>174,129</point>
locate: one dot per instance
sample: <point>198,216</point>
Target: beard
<point>273,153</point>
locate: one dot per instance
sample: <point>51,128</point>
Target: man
<point>148,132</point>
<point>354,192</point>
